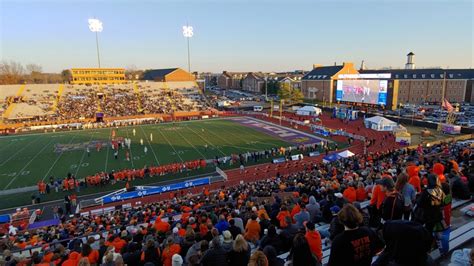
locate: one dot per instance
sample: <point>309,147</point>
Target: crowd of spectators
<point>252,223</point>
<point>82,103</point>
<point>168,101</point>
<point>120,102</point>
<point>115,101</point>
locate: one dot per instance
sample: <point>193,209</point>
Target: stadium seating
<point>56,102</point>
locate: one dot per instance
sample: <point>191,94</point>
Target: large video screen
<point>372,91</point>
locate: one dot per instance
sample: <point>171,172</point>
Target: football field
<point>26,159</point>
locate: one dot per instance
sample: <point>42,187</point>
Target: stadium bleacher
<point>203,211</point>
<point>56,102</point>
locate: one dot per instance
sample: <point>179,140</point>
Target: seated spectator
<point>258,258</point>
<point>216,255</point>
<point>271,254</point>
<point>240,253</point>
<point>300,253</point>
<point>406,243</point>
<point>356,245</point>
<point>314,241</point>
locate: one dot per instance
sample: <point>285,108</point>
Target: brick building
<point>168,75</point>
<point>319,83</point>
<point>230,80</point>
<point>254,82</point>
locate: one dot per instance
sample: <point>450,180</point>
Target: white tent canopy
<point>309,110</point>
<point>346,154</point>
<point>380,123</point>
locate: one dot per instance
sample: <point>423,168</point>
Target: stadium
<point>116,167</point>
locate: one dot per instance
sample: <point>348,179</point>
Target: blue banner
<point>314,154</point>
<point>157,190</point>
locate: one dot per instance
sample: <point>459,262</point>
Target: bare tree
<point>11,72</point>
<point>34,68</point>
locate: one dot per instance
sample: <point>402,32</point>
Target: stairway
<point>58,97</point>
<point>137,94</point>
<point>12,105</point>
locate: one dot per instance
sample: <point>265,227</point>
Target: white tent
<point>309,110</point>
<point>346,154</point>
<point>380,123</point>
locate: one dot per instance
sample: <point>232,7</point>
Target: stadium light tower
<point>95,25</point>
<point>188,33</point>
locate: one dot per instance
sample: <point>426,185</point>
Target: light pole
<point>95,25</point>
<point>188,33</point>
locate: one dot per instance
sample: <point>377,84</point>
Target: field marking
<point>8,145</point>
<point>151,147</point>
<point>251,131</point>
<point>11,157</point>
<point>230,144</point>
<point>57,159</point>
<point>181,135</point>
<point>131,155</point>
<point>171,145</point>
<point>82,157</point>
<point>13,179</point>
<point>237,136</point>
<point>108,146</point>
<point>207,141</point>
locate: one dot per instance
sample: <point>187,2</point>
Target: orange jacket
<point>252,230</point>
<point>415,182</point>
<point>378,196</point>
<point>118,244</point>
<point>361,194</point>
<point>314,241</point>
<point>161,226</point>
<point>168,254</point>
<point>281,217</point>
<point>72,260</point>
<point>350,194</point>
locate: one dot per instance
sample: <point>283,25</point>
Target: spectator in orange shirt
<point>118,244</point>
<point>361,194</point>
<point>170,249</point>
<point>91,254</point>
<point>281,216</point>
<point>161,226</point>
<point>350,193</point>
<point>252,229</point>
<point>314,240</point>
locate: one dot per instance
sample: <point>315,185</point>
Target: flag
<point>446,105</point>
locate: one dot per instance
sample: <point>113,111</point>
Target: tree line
<point>12,72</point>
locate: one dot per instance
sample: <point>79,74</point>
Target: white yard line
<point>24,167</point>
<point>203,156</point>
<point>171,146</point>
<point>82,157</point>
<point>108,146</point>
<point>151,147</point>
<point>237,136</point>
<point>131,155</point>
<point>57,159</point>
<point>8,145</point>
<point>231,145</point>
<point>206,141</point>
<point>20,150</point>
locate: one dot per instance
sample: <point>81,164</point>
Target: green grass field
<point>26,159</point>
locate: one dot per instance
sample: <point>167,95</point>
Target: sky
<point>238,35</point>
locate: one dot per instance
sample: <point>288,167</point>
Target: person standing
<point>356,245</point>
<point>408,192</point>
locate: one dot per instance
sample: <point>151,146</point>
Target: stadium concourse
<point>387,205</point>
